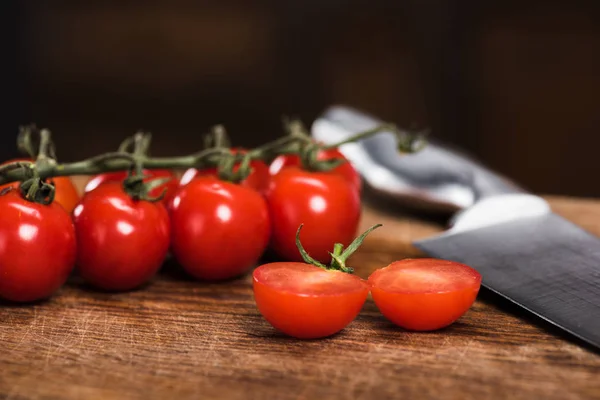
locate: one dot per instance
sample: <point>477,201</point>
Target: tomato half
<point>258,179</point>
<point>219,229</point>
<point>119,176</point>
<point>345,170</point>
<point>327,205</point>
<point>65,192</point>
<point>37,248</point>
<point>424,294</point>
<point>305,301</point>
<point>121,242</point>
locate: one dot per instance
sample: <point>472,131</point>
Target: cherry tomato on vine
<point>346,169</point>
<point>121,242</point>
<point>219,229</point>
<point>424,294</point>
<point>37,248</point>
<point>65,192</point>
<point>119,176</point>
<point>305,301</point>
<point>258,179</point>
<point>327,205</point>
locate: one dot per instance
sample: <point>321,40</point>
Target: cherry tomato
<point>121,242</point>
<point>37,248</point>
<point>258,179</point>
<point>219,229</point>
<point>119,176</point>
<point>346,169</point>
<point>424,294</point>
<point>305,301</point>
<point>65,192</point>
<point>327,205</point>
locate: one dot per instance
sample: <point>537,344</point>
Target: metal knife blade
<point>524,252</point>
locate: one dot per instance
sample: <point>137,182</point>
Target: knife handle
<point>436,175</point>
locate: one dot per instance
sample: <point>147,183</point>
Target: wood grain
<point>180,339</point>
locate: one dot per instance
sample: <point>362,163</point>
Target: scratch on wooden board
<point>463,354</point>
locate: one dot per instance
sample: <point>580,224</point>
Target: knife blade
<point>524,252</point>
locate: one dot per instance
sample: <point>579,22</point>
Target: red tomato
<point>305,301</point>
<point>119,176</point>
<point>324,202</point>
<point>424,294</point>
<point>219,229</point>
<point>258,179</point>
<point>346,169</point>
<point>65,192</point>
<point>121,242</point>
<point>37,248</point>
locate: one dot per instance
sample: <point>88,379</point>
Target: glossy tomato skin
<point>424,294</point>
<point>65,192</point>
<point>345,170</point>
<point>307,302</point>
<point>325,203</point>
<point>258,179</point>
<point>37,248</point>
<point>121,242</point>
<point>219,229</point>
<point>119,176</point>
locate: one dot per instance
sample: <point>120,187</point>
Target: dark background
<point>515,83</point>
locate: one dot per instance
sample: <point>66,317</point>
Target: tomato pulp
<point>258,179</point>
<point>346,170</point>
<point>219,229</point>
<point>121,242</point>
<point>327,205</point>
<point>168,187</point>
<point>424,294</point>
<point>305,301</point>
<point>37,248</point>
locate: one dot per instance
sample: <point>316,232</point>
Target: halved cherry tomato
<point>119,176</point>
<point>258,179</point>
<point>65,192</point>
<point>424,294</point>
<point>121,242</point>
<point>219,229</point>
<point>346,169</point>
<point>37,248</point>
<point>327,205</point>
<point>305,301</point>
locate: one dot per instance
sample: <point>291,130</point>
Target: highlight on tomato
<point>219,229</point>
<point>121,240</point>
<point>169,187</point>
<point>258,179</point>
<point>37,247</point>
<point>310,300</point>
<point>346,170</point>
<point>424,294</point>
<point>324,202</point>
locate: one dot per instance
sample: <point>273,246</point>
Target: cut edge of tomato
<point>444,276</point>
<point>351,283</point>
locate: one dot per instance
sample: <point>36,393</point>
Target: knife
<point>524,252</point>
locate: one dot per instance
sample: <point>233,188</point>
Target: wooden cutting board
<point>182,339</point>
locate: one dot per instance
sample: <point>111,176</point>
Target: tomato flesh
<point>307,302</point>
<point>424,294</point>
